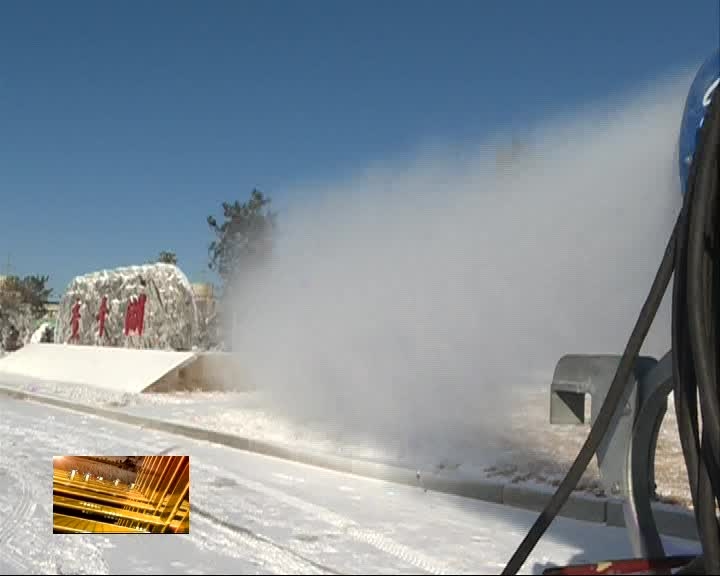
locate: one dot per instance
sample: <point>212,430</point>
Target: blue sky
<point>124,124</point>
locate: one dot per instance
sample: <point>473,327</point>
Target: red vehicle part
<point>629,566</point>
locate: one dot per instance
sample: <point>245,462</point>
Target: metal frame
<point>158,503</point>
<point>626,456</point>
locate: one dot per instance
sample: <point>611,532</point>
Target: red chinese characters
<point>75,321</point>
<point>102,315</point>
<point>135,315</point>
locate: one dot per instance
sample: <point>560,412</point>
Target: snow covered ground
<point>523,448</point>
<point>254,514</point>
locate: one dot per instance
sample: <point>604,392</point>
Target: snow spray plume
<point>419,302</point>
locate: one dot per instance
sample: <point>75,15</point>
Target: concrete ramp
<point>218,371</point>
<point>118,369</point>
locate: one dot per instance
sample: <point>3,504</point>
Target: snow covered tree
<point>243,244</point>
<point>22,302</point>
<point>244,238</point>
<point>167,257</point>
<point>31,291</point>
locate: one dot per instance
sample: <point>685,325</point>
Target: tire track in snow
<point>20,513</point>
<point>291,560</point>
<point>352,529</point>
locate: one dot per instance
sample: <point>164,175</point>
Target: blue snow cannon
<point>704,86</point>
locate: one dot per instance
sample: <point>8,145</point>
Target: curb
<point>670,521</point>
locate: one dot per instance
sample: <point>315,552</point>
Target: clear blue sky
<point>124,124</point>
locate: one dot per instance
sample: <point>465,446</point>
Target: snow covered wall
<point>149,306</point>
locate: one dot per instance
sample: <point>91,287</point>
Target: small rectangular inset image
<point>121,494</point>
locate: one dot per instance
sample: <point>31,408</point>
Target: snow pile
<point>170,314</point>
<point>42,334</point>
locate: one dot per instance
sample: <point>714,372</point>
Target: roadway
<point>260,515</point>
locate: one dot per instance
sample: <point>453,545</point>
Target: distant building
<point>52,309</point>
<point>206,305</point>
<point>204,299</point>
<point>203,291</point>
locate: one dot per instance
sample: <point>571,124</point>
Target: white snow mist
<point>414,302</point>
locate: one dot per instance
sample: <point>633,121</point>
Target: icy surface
<point>253,514</point>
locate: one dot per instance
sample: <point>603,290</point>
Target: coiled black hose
<point>692,253</point>
<point>696,310</point>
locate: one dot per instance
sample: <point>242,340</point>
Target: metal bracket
<point>626,456</point>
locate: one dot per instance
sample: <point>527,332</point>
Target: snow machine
<point>629,392</point>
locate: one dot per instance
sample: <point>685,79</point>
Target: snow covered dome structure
<point>149,306</point>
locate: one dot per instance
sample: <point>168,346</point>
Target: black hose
<point>695,326</point>
<point>614,396</point>
<point>700,293</point>
<point>695,566</point>
<point>692,252</point>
